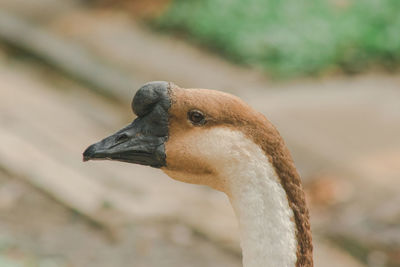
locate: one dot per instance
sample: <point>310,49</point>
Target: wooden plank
<point>68,57</point>
<point>69,186</point>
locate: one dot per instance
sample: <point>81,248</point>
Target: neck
<point>271,211</point>
<point>266,223</point>
<point>267,228</point>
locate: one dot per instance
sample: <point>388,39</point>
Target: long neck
<point>266,221</point>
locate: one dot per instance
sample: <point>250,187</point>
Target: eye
<point>196,117</point>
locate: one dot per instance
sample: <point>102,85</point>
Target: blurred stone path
<point>343,133</point>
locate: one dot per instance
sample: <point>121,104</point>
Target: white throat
<point>267,229</point>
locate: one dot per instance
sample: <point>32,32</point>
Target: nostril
<point>122,138</point>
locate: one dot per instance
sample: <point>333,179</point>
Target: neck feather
<point>265,192</point>
<point>267,228</point>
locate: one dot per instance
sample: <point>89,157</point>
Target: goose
<point>212,138</point>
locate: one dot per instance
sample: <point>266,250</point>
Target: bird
<point>213,138</point>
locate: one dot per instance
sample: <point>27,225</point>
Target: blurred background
<point>325,72</point>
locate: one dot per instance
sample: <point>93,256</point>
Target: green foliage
<point>293,37</point>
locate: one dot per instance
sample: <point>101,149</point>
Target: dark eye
<point>196,117</point>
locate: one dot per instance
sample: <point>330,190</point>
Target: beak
<point>142,141</point>
<point>138,143</point>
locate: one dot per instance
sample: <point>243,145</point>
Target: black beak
<point>143,141</point>
<point>130,144</point>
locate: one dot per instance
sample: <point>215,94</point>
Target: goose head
<point>213,138</point>
<point>183,132</point>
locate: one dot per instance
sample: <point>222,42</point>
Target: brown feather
<point>222,109</point>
